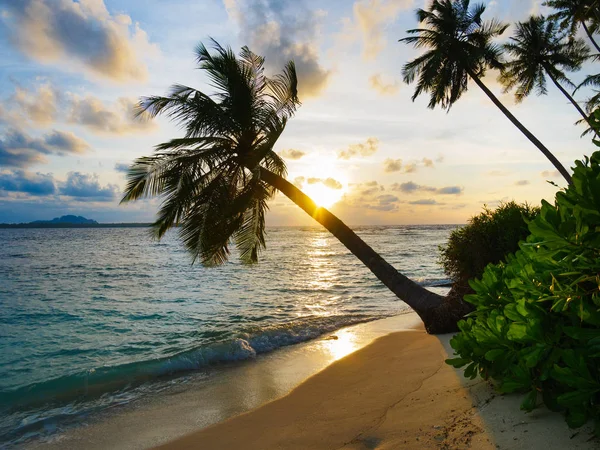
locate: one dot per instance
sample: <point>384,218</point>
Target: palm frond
<point>458,43</point>
<point>207,179</point>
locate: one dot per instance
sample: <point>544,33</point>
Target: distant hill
<point>69,219</point>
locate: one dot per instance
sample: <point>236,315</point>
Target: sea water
<point>93,318</point>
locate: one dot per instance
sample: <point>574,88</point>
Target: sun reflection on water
<point>342,346</point>
<point>323,276</point>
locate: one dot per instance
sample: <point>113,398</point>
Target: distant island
<point>75,220</point>
<point>71,221</point>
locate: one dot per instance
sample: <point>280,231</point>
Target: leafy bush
<point>488,238</point>
<point>536,327</point>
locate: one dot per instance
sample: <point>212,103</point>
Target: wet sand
<point>396,393</point>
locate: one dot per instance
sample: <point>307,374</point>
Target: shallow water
<point>91,318</point>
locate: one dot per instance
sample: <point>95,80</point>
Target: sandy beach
<point>396,393</point>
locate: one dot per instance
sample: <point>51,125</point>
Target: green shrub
<point>488,238</point>
<point>536,327</point>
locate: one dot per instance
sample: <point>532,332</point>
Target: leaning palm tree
<point>216,180</point>
<point>572,13</point>
<point>539,50</point>
<point>458,46</point>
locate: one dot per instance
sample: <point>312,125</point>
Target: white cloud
<point>370,18</point>
<point>376,82</point>
<point>281,30</point>
<point>83,32</point>
<point>367,148</point>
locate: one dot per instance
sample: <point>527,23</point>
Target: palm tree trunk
<point>571,99</point>
<point>588,32</point>
<point>522,128</point>
<point>428,305</point>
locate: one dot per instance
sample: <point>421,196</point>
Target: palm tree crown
<point>209,180</point>
<point>572,13</point>
<point>216,180</point>
<point>458,44</point>
<point>538,49</point>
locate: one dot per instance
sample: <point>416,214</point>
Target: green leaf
<point>575,399</point>
<point>530,401</point>
<point>492,355</point>
<point>576,417</point>
<point>458,362</point>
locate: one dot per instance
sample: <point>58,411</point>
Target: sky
<point>72,71</point>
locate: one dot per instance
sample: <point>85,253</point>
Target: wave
<point>97,381</point>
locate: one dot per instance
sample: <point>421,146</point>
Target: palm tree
<point>216,180</point>
<point>572,13</point>
<point>538,49</point>
<point>459,46</point>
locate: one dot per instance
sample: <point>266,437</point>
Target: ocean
<point>94,318</point>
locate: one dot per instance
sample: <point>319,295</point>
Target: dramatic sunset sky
<point>72,71</point>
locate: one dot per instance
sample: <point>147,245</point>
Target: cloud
<point>376,83</point>
<point>428,201</point>
<point>281,30</point>
<point>19,150</point>
<point>450,190</point>
<point>299,182</point>
<point>87,187</point>
<point>43,105</point>
<point>292,154</point>
<point>121,167</point>
<point>370,20</point>
<point>332,184</point>
<point>65,142</point>
<point>118,118</point>
<point>392,165</point>
<point>550,174</point>
<point>367,148</point>
<point>522,183</point>
<point>26,182</point>
<point>328,182</point>
<point>82,31</point>
<point>396,165</point>
<point>387,198</point>
<point>410,168</point>
<point>39,106</point>
<point>411,187</point>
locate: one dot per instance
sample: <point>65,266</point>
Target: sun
<point>322,195</point>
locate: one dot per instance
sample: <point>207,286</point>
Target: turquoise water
<point>92,318</point>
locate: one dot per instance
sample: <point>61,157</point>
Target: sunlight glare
<point>343,345</point>
<point>323,195</point>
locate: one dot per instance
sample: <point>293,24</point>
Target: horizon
<point>358,143</point>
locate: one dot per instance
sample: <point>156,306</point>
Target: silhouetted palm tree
<point>216,180</point>
<point>572,13</point>
<point>539,49</point>
<point>593,102</point>
<point>458,45</point>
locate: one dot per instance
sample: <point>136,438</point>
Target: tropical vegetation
<point>536,324</point>
<point>459,45</point>
<point>538,50</point>
<point>570,14</point>
<point>488,238</point>
<point>215,181</point>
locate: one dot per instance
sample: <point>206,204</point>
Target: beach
<point>173,361</point>
<point>396,393</point>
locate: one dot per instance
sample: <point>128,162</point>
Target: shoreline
<point>383,385</point>
<point>218,393</point>
<point>397,392</point>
